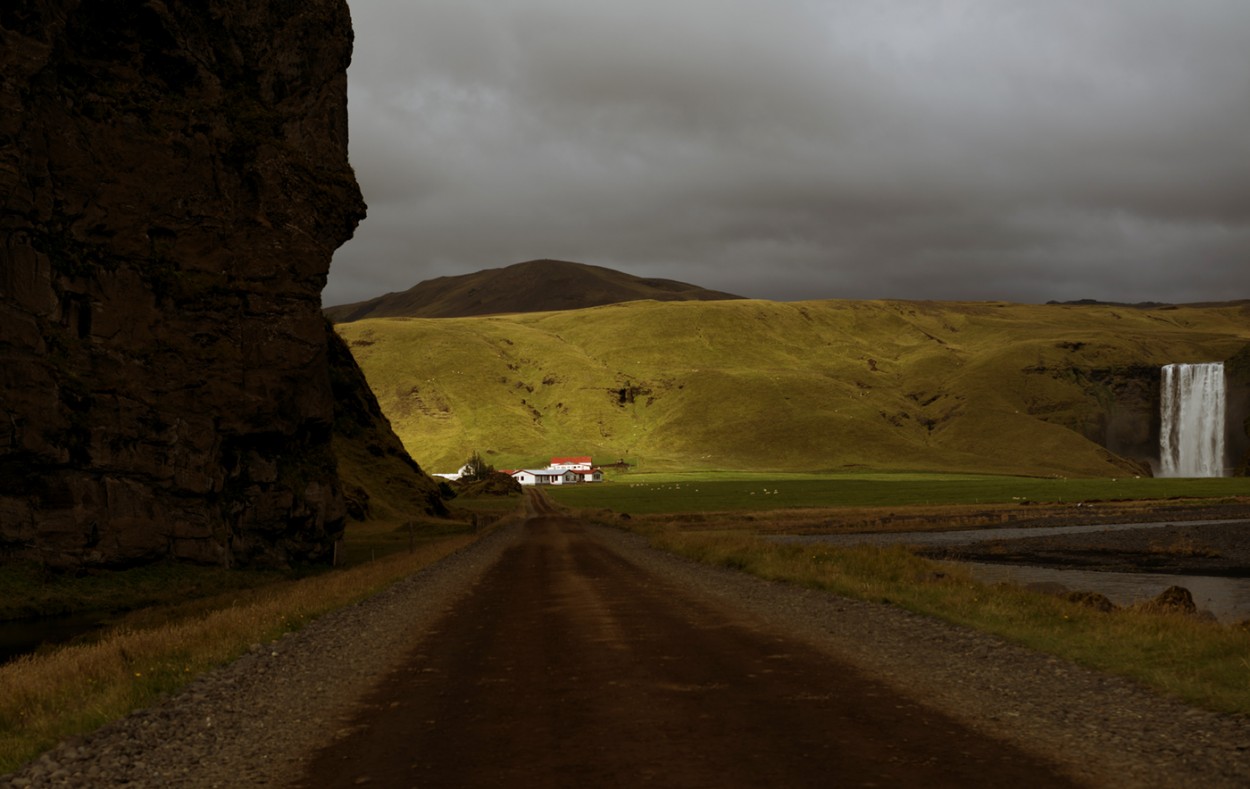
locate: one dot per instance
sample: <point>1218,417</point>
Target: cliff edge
<point>174,179</point>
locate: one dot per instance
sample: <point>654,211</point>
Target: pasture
<point>740,491</point>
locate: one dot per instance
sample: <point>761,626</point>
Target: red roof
<point>584,459</point>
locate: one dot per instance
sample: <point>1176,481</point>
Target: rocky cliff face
<point>174,180</point>
<point>1119,408</point>
<point>1237,381</point>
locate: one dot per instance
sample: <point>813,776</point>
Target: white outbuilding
<point>545,476</point>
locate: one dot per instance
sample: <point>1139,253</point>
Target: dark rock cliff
<point>1237,381</point>
<point>174,180</point>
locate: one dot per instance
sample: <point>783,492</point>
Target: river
<point>1228,599</point>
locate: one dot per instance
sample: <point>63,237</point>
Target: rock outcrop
<point>1173,600</point>
<point>1237,381</point>
<point>174,180</point>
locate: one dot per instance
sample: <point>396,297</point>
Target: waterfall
<point>1191,436</point>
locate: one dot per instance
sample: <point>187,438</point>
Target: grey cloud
<point>806,148</point>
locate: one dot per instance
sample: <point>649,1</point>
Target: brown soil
<point>570,665</point>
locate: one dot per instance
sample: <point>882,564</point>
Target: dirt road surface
<point>569,665</point>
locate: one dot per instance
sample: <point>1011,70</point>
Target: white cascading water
<point>1191,436</point>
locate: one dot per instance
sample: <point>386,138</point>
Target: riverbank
<point>1214,549</point>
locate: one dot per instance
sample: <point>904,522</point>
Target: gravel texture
<point>255,721</point>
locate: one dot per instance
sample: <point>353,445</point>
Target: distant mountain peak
<point>533,286</point>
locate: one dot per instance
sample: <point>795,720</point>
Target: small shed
<point>578,463</point>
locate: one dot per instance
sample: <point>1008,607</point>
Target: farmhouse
<point>545,476</point>
<point>562,471</point>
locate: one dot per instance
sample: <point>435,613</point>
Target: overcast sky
<point>1025,150</point>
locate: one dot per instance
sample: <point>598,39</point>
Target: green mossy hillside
<point>806,386</point>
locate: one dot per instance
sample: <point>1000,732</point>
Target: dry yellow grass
<point>46,698</point>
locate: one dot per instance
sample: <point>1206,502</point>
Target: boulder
<point>1095,600</point>
<point>1173,600</point>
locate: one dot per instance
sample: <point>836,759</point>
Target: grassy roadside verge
<point>46,698</point>
<point>1202,662</point>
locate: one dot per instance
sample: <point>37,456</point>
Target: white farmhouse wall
<point>546,476</point>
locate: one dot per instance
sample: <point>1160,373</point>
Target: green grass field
<point>684,493</point>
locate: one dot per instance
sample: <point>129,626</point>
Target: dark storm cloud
<point>978,149</point>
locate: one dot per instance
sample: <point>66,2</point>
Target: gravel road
<point>571,665</point>
<point>262,719</point>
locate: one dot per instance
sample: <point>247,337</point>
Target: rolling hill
<point>808,386</point>
<point>534,286</point>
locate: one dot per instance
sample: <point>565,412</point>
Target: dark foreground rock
<point>175,181</point>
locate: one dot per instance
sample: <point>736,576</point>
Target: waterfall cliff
<point>1191,434</point>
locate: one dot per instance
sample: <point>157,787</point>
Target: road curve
<point>569,665</point>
